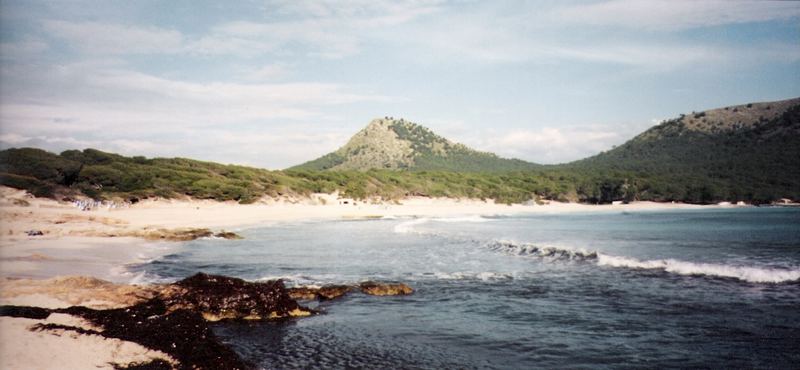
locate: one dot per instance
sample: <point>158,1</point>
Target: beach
<point>22,213</point>
<point>98,243</point>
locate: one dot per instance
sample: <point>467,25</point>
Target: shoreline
<point>149,219</point>
<point>100,242</point>
<point>39,271</point>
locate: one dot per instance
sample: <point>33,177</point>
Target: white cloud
<point>275,149</point>
<point>676,15</point>
<point>267,72</point>
<point>488,34</point>
<point>82,94</point>
<point>105,106</point>
<point>547,144</point>
<point>22,49</point>
<point>110,38</point>
<point>14,139</point>
<point>325,28</point>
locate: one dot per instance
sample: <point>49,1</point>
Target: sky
<point>276,83</point>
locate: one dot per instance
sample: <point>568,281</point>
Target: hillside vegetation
<point>748,153</point>
<point>106,175</point>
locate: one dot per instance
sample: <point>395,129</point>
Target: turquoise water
<point>702,288</point>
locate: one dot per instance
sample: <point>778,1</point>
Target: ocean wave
<point>744,273</point>
<point>752,274</point>
<point>524,249</point>
<point>408,226</point>
<point>478,219</point>
<point>309,280</point>
<point>464,275</point>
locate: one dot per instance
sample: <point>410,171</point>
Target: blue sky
<point>276,83</point>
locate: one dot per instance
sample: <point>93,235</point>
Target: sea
<point>708,288</point>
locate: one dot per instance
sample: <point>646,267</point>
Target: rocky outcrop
<point>382,289</point>
<point>327,292</point>
<point>183,234</point>
<point>228,235</point>
<point>173,318</point>
<point>218,297</point>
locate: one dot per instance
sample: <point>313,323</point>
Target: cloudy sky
<point>275,83</point>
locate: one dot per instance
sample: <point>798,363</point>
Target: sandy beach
<point>98,243</point>
<point>22,213</point>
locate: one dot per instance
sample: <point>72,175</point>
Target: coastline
<point>57,220</point>
<point>98,243</point>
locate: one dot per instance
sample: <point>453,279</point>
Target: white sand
<point>58,220</point>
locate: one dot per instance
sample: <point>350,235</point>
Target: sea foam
<point>408,226</point>
<point>744,273</point>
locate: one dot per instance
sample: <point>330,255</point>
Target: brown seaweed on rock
<point>220,297</point>
<point>182,334</point>
<point>327,292</point>
<point>381,289</point>
<point>175,319</point>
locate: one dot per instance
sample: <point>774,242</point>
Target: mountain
<point>745,151</point>
<point>741,153</point>
<point>387,143</point>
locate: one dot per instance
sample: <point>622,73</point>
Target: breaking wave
<point>751,274</point>
<point>744,273</point>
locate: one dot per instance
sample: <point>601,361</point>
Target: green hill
<point>747,151</point>
<point>392,144</point>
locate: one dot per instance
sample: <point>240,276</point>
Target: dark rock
<point>220,297</point>
<point>34,232</point>
<point>327,292</point>
<point>303,293</point>
<point>175,320</point>
<point>227,235</point>
<point>382,289</point>
<point>334,291</point>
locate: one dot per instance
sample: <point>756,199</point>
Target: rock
<point>221,298</point>
<point>327,292</point>
<point>175,235</point>
<point>382,289</point>
<point>174,318</point>
<point>334,291</point>
<point>303,293</point>
<point>34,232</point>
<point>228,235</point>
